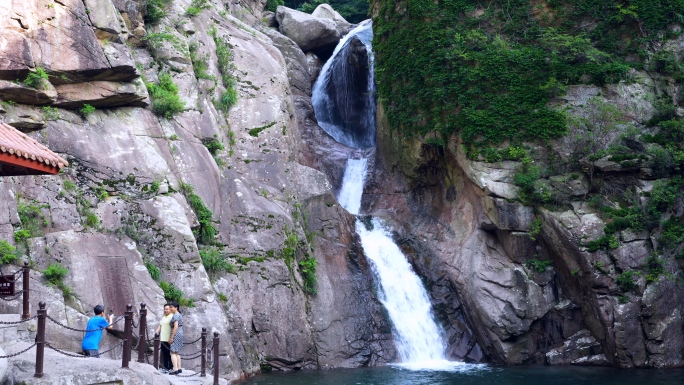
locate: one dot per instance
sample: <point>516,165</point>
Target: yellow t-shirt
<point>165,331</point>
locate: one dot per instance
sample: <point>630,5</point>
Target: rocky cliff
<point>538,246</point>
<point>189,131</point>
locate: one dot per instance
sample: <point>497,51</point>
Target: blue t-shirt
<point>91,340</point>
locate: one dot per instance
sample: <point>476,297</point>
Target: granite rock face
<point>128,203</point>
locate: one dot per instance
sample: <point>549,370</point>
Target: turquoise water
<point>476,374</point>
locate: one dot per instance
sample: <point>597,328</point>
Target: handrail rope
<point>133,338</point>
<point>112,348</point>
<point>190,343</point>
<point>133,323</point>
<point>18,353</point>
<point>82,330</point>
<point>16,295</point>
<point>63,352</point>
<point>18,322</point>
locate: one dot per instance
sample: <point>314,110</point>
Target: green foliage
<point>154,271</point>
<point>443,67</point>
<point>289,249</point>
<point>606,242</point>
<point>36,79</point>
<point>171,292</point>
<point>165,98</point>
<point>51,113</point>
<point>222,297</point>
<point>196,7</point>
<point>663,197</point>
<point>228,99</point>
<point>200,63</point>
<point>626,280</point>
<point>256,130</point>
<point>21,236</point>
<point>32,219</point>
<point>624,218</point>
<point>535,229</point>
<point>213,145</point>
<point>87,109</point>
<point>308,269</point>
<point>92,220</point>
<point>673,234</point>
<point>654,268</point>
<point>527,177</point>
<point>101,192</point>
<point>538,265</point>
<point>206,231</point>
<point>154,186</point>
<point>272,5</point>
<point>156,10</point>
<point>215,262</point>
<point>8,253</point>
<point>614,23</point>
<point>227,69</point>
<point>55,273</point>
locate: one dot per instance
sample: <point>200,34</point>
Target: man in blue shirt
<point>91,340</point>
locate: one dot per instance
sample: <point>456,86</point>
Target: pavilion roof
<point>22,155</point>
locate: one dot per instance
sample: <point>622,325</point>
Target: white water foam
<point>417,335</point>
<point>352,185</point>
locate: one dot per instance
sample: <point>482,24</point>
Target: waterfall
<point>352,185</point>
<point>345,107</point>
<point>401,291</point>
<point>344,93</point>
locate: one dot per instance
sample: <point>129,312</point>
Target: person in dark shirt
<point>91,339</point>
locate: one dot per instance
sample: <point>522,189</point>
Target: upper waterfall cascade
<point>344,93</point>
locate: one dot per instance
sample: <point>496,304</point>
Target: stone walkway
<point>59,369</point>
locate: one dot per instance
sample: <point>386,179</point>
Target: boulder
<point>309,32</point>
<point>102,94</point>
<point>580,345</point>
<point>325,11</point>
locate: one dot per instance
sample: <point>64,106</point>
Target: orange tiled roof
<point>17,143</point>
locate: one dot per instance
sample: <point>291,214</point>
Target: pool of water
<point>468,374</point>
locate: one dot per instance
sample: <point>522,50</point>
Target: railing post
<point>216,358</point>
<point>40,340</point>
<point>203,372</point>
<point>155,359</point>
<point>128,320</point>
<point>142,343</point>
<point>25,313</point>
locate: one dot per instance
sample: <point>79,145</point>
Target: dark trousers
<point>166,356</point>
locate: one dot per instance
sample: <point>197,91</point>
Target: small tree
<point>592,129</point>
